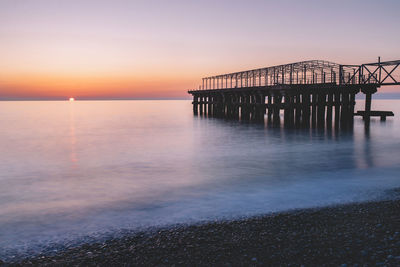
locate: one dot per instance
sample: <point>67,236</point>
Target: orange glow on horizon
<point>92,86</point>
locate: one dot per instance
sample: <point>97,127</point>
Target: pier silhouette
<point>314,93</point>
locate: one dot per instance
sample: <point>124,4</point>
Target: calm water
<point>69,170</point>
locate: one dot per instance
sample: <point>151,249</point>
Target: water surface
<point>86,168</point>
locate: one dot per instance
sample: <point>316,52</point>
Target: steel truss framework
<point>308,72</point>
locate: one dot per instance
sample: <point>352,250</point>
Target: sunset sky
<point>160,49</point>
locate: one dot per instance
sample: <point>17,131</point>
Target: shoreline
<point>351,234</point>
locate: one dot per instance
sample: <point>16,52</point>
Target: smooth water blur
<point>74,169</point>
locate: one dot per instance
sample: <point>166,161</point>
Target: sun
<point>71,99</point>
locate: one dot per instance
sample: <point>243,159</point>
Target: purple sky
<point>161,48</point>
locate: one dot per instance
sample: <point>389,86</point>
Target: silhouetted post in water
<point>270,106</point>
<point>337,110</point>
<point>245,108</point>
<point>248,103</point>
<point>321,110</point>
<point>329,110</point>
<point>293,102</point>
<point>262,106</point>
<point>306,109</point>
<point>252,106</point>
<point>314,109</point>
<point>265,96</point>
<point>258,114</point>
<point>352,104</point>
<point>201,105</point>
<point>298,109</point>
<point>225,110</point>
<point>367,116</point>
<point>276,108</point>
<point>212,114</point>
<point>240,105</point>
<point>205,105</point>
<point>223,106</point>
<point>216,105</point>
<point>286,110</point>
<point>257,109</point>
<point>231,105</point>
<point>236,106</point>
<point>345,110</point>
<point>209,103</point>
<point>195,105</point>
<point>227,100</point>
<point>292,109</point>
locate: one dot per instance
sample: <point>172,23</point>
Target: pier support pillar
<point>287,120</point>
<point>209,105</point>
<point>261,109</point>
<point>337,110</point>
<point>329,110</point>
<point>235,106</point>
<point>306,109</point>
<point>201,105</point>
<point>270,110</point>
<point>345,110</point>
<point>245,107</point>
<point>321,110</point>
<point>298,109</point>
<point>314,109</point>
<point>195,105</point>
<point>367,116</point>
<point>276,109</point>
<point>352,105</point>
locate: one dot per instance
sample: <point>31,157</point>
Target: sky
<point>116,49</point>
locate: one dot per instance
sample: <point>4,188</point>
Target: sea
<point>83,171</point>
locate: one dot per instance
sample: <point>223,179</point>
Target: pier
<point>314,93</point>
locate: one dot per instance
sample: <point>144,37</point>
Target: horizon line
<point>378,95</point>
<point>92,99</point>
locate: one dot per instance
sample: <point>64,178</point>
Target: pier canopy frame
<point>308,72</point>
<point>304,72</point>
<point>383,73</point>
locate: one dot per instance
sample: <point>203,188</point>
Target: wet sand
<point>363,234</point>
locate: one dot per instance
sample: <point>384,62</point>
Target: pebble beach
<point>362,234</point>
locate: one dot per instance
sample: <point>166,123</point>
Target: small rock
<point>389,257</point>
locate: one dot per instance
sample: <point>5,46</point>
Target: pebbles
<point>348,235</point>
